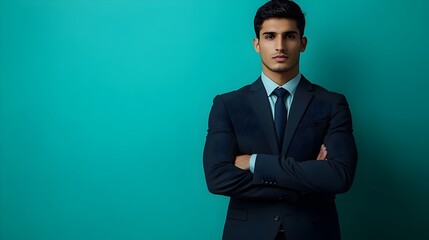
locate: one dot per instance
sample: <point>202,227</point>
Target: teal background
<point>104,106</point>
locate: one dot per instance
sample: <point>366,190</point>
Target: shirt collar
<point>290,86</point>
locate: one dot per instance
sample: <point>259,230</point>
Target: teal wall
<point>104,106</point>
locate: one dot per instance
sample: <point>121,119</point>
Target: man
<point>281,147</point>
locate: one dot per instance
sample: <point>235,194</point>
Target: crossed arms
<point>228,174</point>
<point>243,161</point>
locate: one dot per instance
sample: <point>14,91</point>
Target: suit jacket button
<point>262,181</point>
<point>276,218</point>
<point>271,183</point>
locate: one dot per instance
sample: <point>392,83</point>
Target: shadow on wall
<point>389,198</point>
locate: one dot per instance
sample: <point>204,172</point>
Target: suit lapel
<point>301,99</point>
<point>259,99</point>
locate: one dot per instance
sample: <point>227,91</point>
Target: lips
<point>281,58</point>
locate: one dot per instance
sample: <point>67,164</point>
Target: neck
<point>280,78</point>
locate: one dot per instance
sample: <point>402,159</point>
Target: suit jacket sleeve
<point>220,150</point>
<point>332,176</point>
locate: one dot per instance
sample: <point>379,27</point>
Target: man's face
<point>280,45</point>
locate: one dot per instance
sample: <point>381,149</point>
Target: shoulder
<point>329,101</point>
<point>237,95</point>
<point>322,93</point>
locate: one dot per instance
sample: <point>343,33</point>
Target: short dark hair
<point>279,9</point>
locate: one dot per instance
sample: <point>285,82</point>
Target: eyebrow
<point>287,33</point>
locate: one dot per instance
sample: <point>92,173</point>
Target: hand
<point>323,153</point>
<point>242,162</point>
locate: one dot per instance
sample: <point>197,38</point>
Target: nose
<point>279,45</point>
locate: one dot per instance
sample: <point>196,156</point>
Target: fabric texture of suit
<point>289,188</point>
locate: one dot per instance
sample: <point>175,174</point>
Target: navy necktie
<point>280,114</point>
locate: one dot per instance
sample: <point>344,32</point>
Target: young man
<point>281,147</point>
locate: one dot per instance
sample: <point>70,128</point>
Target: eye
<point>290,36</point>
<point>269,36</point>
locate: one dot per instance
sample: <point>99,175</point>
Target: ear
<point>303,44</point>
<point>256,45</point>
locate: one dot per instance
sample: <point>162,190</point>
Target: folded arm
<point>332,176</point>
<point>220,151</point>
<point>243,161</point>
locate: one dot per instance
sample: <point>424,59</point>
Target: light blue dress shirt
<point>270,85</point>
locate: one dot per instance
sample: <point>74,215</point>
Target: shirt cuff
<point>252,162</point>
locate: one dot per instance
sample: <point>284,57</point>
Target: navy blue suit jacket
<point>288,188</point>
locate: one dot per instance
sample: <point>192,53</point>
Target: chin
<point>280,69</point>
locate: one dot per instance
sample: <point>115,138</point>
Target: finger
<point>319,156</point>
<point>322,156</point>
<point>323,153</point>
